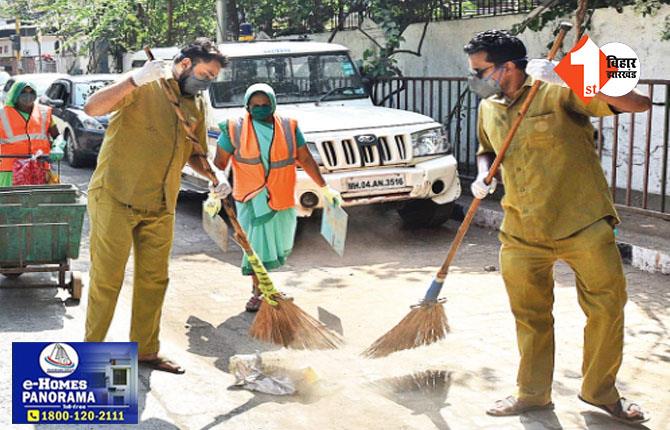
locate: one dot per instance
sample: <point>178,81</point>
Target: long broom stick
<point>278,320</point>
<point>426,323</point>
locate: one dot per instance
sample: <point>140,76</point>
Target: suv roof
<point>93,77</point>
<point>263,48</point>
<point>254,48</point>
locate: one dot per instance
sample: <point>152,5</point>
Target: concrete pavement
<point>385,269</point>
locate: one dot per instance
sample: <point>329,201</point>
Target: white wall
<point>442,52</point>
<point>442,56</point>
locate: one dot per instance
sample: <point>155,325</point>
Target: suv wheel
<point>425,213</point>
<point>74,159</point>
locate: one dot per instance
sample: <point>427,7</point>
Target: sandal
<point>254,303</point>
<point>511,406</point>
<point>622,410</point>
<point>164,365</point>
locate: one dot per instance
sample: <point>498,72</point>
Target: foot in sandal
<point>510,406</point>
<point>153,361</point>
<point>254,303</point>
<point>623,411</point>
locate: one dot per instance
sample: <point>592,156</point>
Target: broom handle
<point>188,127</point>
<point>190,134</point>
<point>465,225</point>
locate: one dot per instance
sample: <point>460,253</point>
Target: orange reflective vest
<point>249,173</point>
<point>21,137</point>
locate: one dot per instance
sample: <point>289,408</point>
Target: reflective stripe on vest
<point>20,137</point>
<point>288,136</point>
<point>9,131</point>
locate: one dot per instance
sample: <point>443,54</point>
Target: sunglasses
<point>479,73</point>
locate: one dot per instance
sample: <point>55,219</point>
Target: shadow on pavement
<point>28,308</point>
<point>424,393</point>
<point>229,338</point>
<point>540,420</point>
<point>600,420</point>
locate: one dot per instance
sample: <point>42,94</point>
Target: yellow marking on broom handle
<point>465,225</point>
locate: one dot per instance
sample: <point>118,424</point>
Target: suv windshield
<point>297,78</point>
<point>82,90</point>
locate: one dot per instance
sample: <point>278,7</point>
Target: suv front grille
<point>346,153</point>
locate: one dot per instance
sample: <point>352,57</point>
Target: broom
<point>279,320</point>
<point>426,322</point>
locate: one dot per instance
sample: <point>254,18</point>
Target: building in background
<point>39,52</point>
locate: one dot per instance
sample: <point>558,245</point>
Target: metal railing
<point>445,11</point>
<point>633,148</point>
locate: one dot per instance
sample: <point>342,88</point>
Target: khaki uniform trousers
<point>116,227</point>
<point>527,269</point>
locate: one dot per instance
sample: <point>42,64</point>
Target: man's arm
<point>200,164</point>
<point>103,101</point>
<point>484,162</point>
<point>634,101</point>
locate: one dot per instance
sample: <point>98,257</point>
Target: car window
<point>56,91</point>
<point>83,90</point>
<point>8,85</point>
<point>295,78</point>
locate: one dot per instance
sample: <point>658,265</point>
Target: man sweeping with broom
<point>133,191</point>
<point>557,207</point>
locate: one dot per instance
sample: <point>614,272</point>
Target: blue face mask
<point>261,112</point>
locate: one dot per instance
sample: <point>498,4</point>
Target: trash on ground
<point>248,372</point>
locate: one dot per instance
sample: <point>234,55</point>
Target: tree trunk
<point>170,18</point>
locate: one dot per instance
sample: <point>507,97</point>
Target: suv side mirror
<point>57,103</point>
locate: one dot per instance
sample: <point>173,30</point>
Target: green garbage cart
<point>40,231</point>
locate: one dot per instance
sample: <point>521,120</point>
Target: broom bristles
<point>288,325</point>
<point>423,325</point>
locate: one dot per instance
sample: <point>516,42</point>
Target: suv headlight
<point>92,124</point>
<point>430,142</point>
<point>315,153</point>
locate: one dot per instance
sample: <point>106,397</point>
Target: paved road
<point>385,268</point>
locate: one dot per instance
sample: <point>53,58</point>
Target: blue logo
<point>74,383</point>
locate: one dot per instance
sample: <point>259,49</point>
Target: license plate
<point>375,183</point>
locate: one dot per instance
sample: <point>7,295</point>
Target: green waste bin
<point>40,231</point>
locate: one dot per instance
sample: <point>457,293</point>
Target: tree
<point>117,26</point>
<point>566,7</point>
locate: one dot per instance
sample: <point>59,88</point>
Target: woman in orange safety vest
<point>265,150</point>
<point>25,128</point>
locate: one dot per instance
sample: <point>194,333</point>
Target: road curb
<point>646,259</point>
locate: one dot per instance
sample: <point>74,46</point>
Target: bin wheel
<point>12,275</point>
<point>75,286</point>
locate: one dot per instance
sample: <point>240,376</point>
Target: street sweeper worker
<point>133,191</point>
<point>265,150</point>
<point>557,207</point>
<point>25,129</point>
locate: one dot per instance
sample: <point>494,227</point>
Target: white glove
<point>151,71</point>
<point>222,190</point>
<point>331,195</point>
<point>479,189</point>
<point>543,70</point>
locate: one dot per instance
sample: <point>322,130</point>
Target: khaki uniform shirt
<point>145,148</point>
<point>554,183</point>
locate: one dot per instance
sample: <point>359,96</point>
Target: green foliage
<point>393,16</point>
<point>122,25</point>
<point>567,7</point>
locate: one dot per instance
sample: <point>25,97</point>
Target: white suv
<point>370,154</point>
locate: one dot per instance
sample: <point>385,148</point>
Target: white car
<point>41,81</point>
<point>370,154</point>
